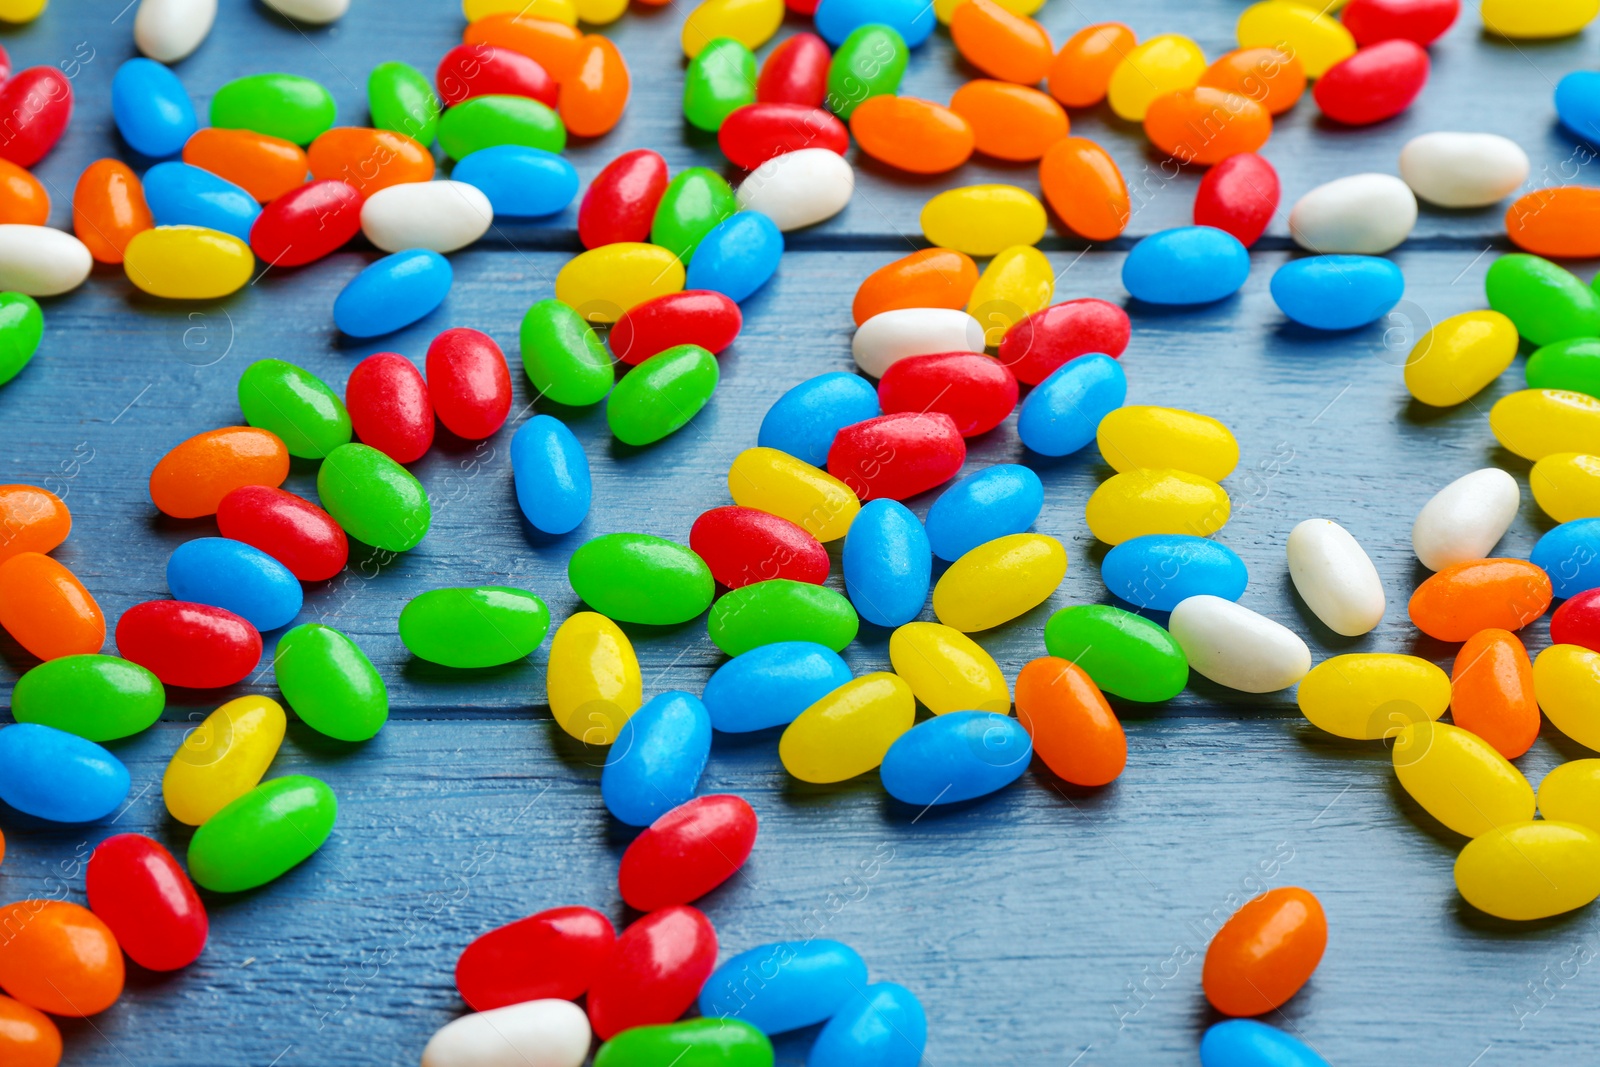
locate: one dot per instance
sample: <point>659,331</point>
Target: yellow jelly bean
<point>983,220</point>
<point>1538,18</point>
<point>1566,680</point>
<point>1571,793</point>
<point>1133,437</point>
<point>947,670</point>
<point>1017,282</point>
<point>223,758</point>
<point>1373,695</point>
<point>1459,778</point>
<point>1567,485</point>
<point>21,10</point>
<point>790,488</point>
<point>943,9</point>
<point>556,10</point>
<point>999,580</point>
<point>1147,501</point>
<point>604,282</point>
<point>750,22</point>
<point>1317,40</point>
<point>600,12</point>
<point>847,732</point>
<point>1535,423</point>
<point>1459,357</point>
<point>1160,66</point>
<point>1530,870</point>
<point>188,262</point>
<point>593,681</point>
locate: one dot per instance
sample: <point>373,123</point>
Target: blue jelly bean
<point>1156,571</point>
<point>883,1025</point>
<point>1570,555</point>
<point>151,109</point>
<point>772,685</point>
<point>887,563</point>
<point>551,474</point>
<point>737,257</point>
<point>1188,265</point>
<point>233,575</point>
<point>51,774</point>
<point>1247,1043</point>
<point>956,756</point>
<point>392,293</point>
<point>805,420</point>
<point>1337,292</point>
<point>1063,412</point>
<point>836,19</point>
<point>1578,104</point>
<point>996,501</point>
<point>785,985</point>
<point>658,757</point>
<point>520,182</point>
<point>181,195</point>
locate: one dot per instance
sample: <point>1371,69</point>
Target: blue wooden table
<point>1045,925</point>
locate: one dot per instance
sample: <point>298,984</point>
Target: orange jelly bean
<point>1563,222</point>
<point>1271,78</point>
<point>46,608</point>
<point>59,957</point>
<point>931,278</point>
<point>1079,74</point>
<point>553,44</point>
<point>27,1036</point>
<point>22,198</point>
<point>1265,952</point>
<point>368,159</point>
<point>1010,121</point>
<point>1074,730</point>
<point>1481,594</point>
<point>1206,126</point>
<point>1013,48</point>
<point>194,477</point>
<point>1085,187</point>
<point>1491,692</point>
<point>914,135</point>
<point>108,209</point>
<point>594,95</point>
<point>31,520</point>
<point>265,167</point>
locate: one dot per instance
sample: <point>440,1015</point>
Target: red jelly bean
<point>1577,622</point>
<point>802,7</point>
<point>140,892</point>
<point>307,223</point>
<point>469,383</point>
<point>291,530</point>
<point>796,72</point>
<point>5,64</point>
<point>655,971</point>
<point>469,70</point>
<point>1376,83</point>
<point>897,456</point>
<point>756,133</point>
<point>743,545</point>
<point>976,391</point>
<point>552,955</point>
<point>1422,21</point>
<point>36,104</point>
<point>621,202</point>
<point>1043,341</point>
<point>693,317</point>
<point>193,645</point>
<point>687,852</point>
<point>389,406</point>
<point>1239,195</point>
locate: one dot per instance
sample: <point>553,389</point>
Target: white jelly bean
<point>40,261</point>
<point>1466,519</point>
<point>535,1033</point>
<point>1236,647</point>
<point>1364,213</point>
<point>1463,169</point>
<point>891,336</point>
<point>1335,577</point>
<point>168,30</point>
<point>799,188</point>
<point>316,12</point>
<point>442,216</point>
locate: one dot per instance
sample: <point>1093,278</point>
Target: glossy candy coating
<point>929,278</point>
<point>1125,654</point>
<point>1545,301</point>
<point>141,893</point>
<point>804,421</point>
<point>390,409</point>
<point>1374,84</point>
<point>482,627</point>
<point>687,852</point>
<point>1466,519</point>
<point>720,80</point>
<point>441,216</point>
<point>1154,68</point>
<point>1316,38</point>
<point>21,329</point>
<point>1364,214</point>
<point>223,758</point>
<point>743,545</point>
<point>1085,188</point>
<point>1577,622</point>
<point>1145,436</point>
<point>695,316</point>
<point>1073,729</point>
<point>633,577</point>
<point>756,132</point>
<point>1557,19</point>
<point>1419,21</point>
<point>187,262</point>
<point>235,576</point>
<point>974,390</point>
<point>374,499</point>
<point>551,474</point>
<point>263,834</point>
<point>897,455</point>
<point>725,1042</point>
<point>655,972</point>
<point>917,136</point>
<point>41,260</point>
<point>264,166</point>
<point>620,204</point>
<point>695,202</point>
<point>61,958</point>
<point>1081,71</point>
<point>1038,345</point>
<point>595,94</point>
<point>27,1036</point>
<point>544,31</point>
<point>307,223</point>
<point>887,563</point>
<point>1012,122</point>
<point>1570,554</point>
<point>1566,678</point>
<point>837,19</point>
<point>1265,952</point>
<point>1270,77</point>
<point>1570,792</point>
<point>1491,692</point>
<point>1535,423</point>
<point>197,646</point>
<point>1238,196</point>
<point>295,405</point>
<point>1159,571</point>
<point>593,682</point>
<point>1530,870</point>
<point>1459,778</point>
<point>61,777</point>
<point>999,580</point>
<point>1558,221</point>
<point>551,1033</point>
<point>1002,44</point>
<point>1186,265</point>
<point>520,182</point>
<point>399,98</point>
<point>1464,169</point>
<point>562,356</point>
<point>771,685</point>
<point>604,283</point>
<point>33,520</point>
<point>392,293</point>
<point>1018,282</point>
<point>869,63</point>
<point>39,101</point>
<point>470,70</point>
<point>795,72</point>
<point>750,22</point>
<point>552,954</point>
<point>1335,577</point>
<point>151,109</point>
<point>659,397</point>
<point>46,609</point>
<point>100,698</point>
<point>1572,365</point>
<point>468,383</point>
<point>775,481</point>
<point>1232,124</point>
<point>1340,292</point>
<point>982,220</point>
<point>280,105</point>
<point>781,609</point>
<point>486,121</point>
<point>1156,501</point>
<point>108,209</point>
<point>987,504</point>
<point>847,732</point>
<point>895,335</point>
<point>804,983</point>
<point>330,683</point>
<point>368,160</point>
<point>956,757</point>
<point>1060,415</point>
<point>947,670</point>
<point>882,1025</point>
<point>1567,485</point>
<point>1236,647</point>
<point>1371,695</point>
<point>799,189</point>
<point>737,257</point>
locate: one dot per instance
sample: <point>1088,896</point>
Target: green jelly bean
<point>263,834</point>
<point>764,613</point>
<point>1124,653</point>
<point>296,405</point>
<point>661,395</point>
<point>563,357</point>
<point>21,328</point>
<point>719,81</point>
<point>98,697</point>
<point>400,98</point>
<point>1573,365</point>
<point>693,1043</point>
<point>374,499</point>
<point>486,121</point>
<point>481,627</point>
<point>279,105</point>
<point>632,577</point>
<point>330,683</point>
<point>1546,302</point>
<point>694,203</point>
<point>869,63</point>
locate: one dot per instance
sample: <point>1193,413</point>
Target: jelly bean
<point>1577,622</point>
<point>40,261</point>
<point>982,220</point>
<point>58,776</point>
<point>1374,84</point>
<point>604,283</point>
<point>1186,265</point>
<point>1466,519</point>
<point>695,316</point>
<point>836,20</point>
<point>469,383</point>
<point>551,474</point>
<point>263,834</point>
<point>812,499</point>
<point>18,11</point>
<point>720,80</point>
<point>1370,695</point>
<point>1236,647</point>
<point>393,292</point>
<point>142,895</point>
<point>187,262</point>
<point>1535,423</point>
<point>1463,169</point>
<point>198,646</point>
<point>316,12</point>
<point>1060,415</point>
<point>232,575</point>
<point>1567,487</point>
<point>638,578</point>
<point>390,408</point>
<point>1364,214</point>
<point>737,257</point>
<point>1232,124</point>
<point>898,455</point>
<point>751,23</point>
<point>1530,870</point>
<point>265,167</point>
<point>1271,76</point>
<point>331,684</point>
<point>32,520</point>
<point>280,105</point>
<point>771,685</point>
<point>1568,554</point>
<point>1141,436</point>
<point>1018,282</point>
<point>553,954</point>
<point>1566,679</point>
<point>60,958</point>
<point>97,697</point>
<point>483,627</point>
<point>1158,571</point>
<point>917,136</point>
<point>600,12</point>
<point>22,199</point>
<point>470,70</point>
<point>1012,122</point>
<point>1560,18</point>
<point>399,98</point>
<point>781,609</point>
<point>1335,577</point>
<point>891,336</point>
<point>799,189</point>
<point>1159,66</point>
<point>1156,501</point>
<point>151,109</point>
<point>1492,692</point>
<point>795,72</point>
<point>520,182</point>
<point>1459,778</point>
<point>108,209</point>
<point>1074,730</point>
<point>295,405</point>
<point>551,41</point>
<point>46,609</point>
<point>755,133</point>
<point>988,504</point>
<point>947,670</point>
<point>724,1041</point>
<point>804,421</point>
<point>620,204</point>
<point>654,973</point>
<point>307,223</point>
<point>223,758</point>
<point>593,682</point>
<point>21,330</point>
<point>847,732</point>
<point>887,563</point>
<point>687,852</point>
<point>373,498</point>
<point>594,96</point>
<point>1420,21</point>
<point>27,1036</point>
<point>549,1033</point>
<point>870,62</point>
<point>1572,365</point>
<point>661,395</point>
<point>1347,292</point>
<point>39,101</point>
<point>974,390</point>
<point>956,757</point>
<point>803,982</point>
<point>999,581</point>
<point>368,159</point>
<point>743,545</point>
<point>1546,302</point>
<point>1265,952</point>
<point>561,355</point>
<point>1570,792</point>
<point>1556,221</point>
<point>882,1025</point>
<point>1081,71</point>
<point>930,278</point>
<point>1004,45</point>
<point>487,121</point>
<point>442,216</point>
<point>1317,39</point>
<point>1463,598</point>
<point>1044,342</point>
<point>1577,101</point>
